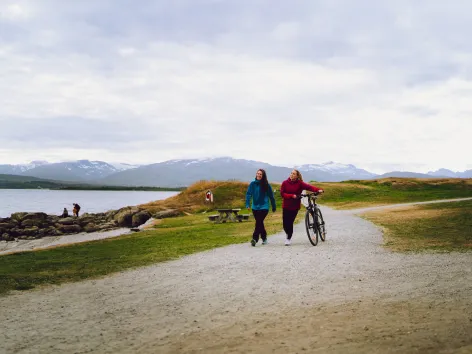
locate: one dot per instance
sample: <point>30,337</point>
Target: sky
<point>383,85</point>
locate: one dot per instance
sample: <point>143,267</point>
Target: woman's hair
<point>264,182</point>
<point>299,175</point>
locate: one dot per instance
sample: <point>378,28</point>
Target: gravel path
<point>347,294</point>
<point>8,247</point>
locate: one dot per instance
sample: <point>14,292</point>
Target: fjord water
<point>54,201</point>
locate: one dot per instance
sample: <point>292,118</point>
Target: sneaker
<point>288,242</point>
<point>253,243</point>
<point>264,242</point>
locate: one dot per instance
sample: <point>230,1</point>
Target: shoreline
<point>11,247</point>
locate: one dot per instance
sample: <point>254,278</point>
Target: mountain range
<point>180,173</point>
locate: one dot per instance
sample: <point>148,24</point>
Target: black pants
<point>259,215</point>
<point>288,218</point>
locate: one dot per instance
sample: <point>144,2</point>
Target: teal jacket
<point>260,200</point>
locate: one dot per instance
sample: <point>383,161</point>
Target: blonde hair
<point>299,175</point>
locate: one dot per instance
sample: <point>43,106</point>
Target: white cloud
<point>299,84</point>
<point>14,11</point>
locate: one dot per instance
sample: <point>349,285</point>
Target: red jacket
<point>289,189</point>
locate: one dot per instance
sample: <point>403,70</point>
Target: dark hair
<point>264,182</point>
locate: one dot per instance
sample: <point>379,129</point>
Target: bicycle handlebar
<point>308,194</point>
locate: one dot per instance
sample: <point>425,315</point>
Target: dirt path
<point>9,247</point>
<point>347,295</point>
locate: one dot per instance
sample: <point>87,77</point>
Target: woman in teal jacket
<point>260,192</point>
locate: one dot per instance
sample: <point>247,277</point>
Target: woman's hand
<point>294,196</point>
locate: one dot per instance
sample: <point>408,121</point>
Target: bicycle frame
<point>314,223</point>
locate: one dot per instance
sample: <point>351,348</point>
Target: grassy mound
<point>227,194</point>
<point>434,227</point>
<point>358,194</point>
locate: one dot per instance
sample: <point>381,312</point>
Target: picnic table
<point>228,214</point>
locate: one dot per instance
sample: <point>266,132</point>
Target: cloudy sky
<point>384,85</point>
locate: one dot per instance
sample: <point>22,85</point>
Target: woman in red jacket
<point>290,190</point>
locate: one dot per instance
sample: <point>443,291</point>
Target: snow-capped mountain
<point>338,171</point>
<point>184,172</point>
<point>73,171</point>
<point>81,170</point>
<point>175,173</point>
<point>442,172</point>
<point>32,164</point>
<point>123,166</point>
<point>19,169</point>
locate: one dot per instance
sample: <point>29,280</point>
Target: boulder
<point>70,229</point>
<point>87,219</point>
<point>35,216</point>
<point>124,216</point>
<point>25,223</point>
<point>107,226</point>
<point>91,227</point>
<point>18,216</point>
<point>67,221</point>
<point>37,225</point>
<point>52,231</point>
<point>6,237</point>
<point>15,231</point>
<point>30,231</point>
<point>140,218</point>
<point>167,213</point>
<point>7,225</point>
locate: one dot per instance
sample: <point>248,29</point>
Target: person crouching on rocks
<point>65,213</point>
<point>76,209</point>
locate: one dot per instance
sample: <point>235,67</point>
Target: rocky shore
<point>29,226</point>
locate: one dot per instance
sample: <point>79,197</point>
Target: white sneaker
<point>287,242</point>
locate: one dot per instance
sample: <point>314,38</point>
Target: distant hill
<point>28,182</point>
<point>404,174</point>
<point>73,171</point>
<point>182,173</point>
<point>186,172</point>
<point>76,171</point>
<point>336,172</point>
<point>448,173</point>
<point>20,169</point>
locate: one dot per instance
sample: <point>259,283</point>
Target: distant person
<point>76,209</point>
<point>260,191</point>
<point>65,213</point>
<point>290,190</point>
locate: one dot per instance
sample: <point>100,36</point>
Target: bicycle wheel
<point>320,225</point>
<point>311,228</point>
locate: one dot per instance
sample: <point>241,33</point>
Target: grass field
<point>359,194</point>
<point>432,227</point>
<point>436,227</point>
<point>171,238</point>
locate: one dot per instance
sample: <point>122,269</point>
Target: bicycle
<point>314,223</point>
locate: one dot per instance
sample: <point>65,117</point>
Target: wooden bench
<point>214,217</point>
<point>242,217</point>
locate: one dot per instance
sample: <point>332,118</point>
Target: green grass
<point>176,237</point>
<point>439,227</point>
<point>358,194</point>
<point>171,239</point>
